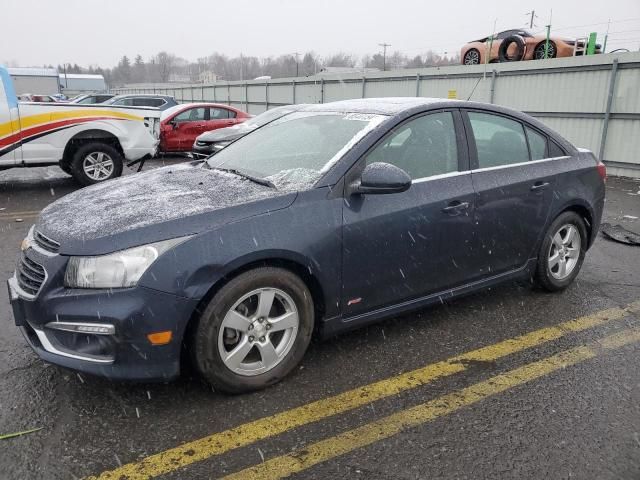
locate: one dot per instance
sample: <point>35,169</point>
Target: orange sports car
<point>514,45</point>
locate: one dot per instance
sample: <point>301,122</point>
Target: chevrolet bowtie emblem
<point>25,244</point>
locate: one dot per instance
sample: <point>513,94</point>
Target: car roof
<point>382,106</point>
<point>185,106</point>
<point>143,95</point>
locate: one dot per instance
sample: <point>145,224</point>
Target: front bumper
<point>117,347</point>
<point>203,151</point>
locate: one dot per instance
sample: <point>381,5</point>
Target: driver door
<point>182,131</point>
<point>402,246</point>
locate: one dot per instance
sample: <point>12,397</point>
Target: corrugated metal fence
<point>593,101</point>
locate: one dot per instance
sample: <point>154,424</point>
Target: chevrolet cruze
<point>324,220</point>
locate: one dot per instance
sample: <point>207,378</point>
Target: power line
<point>384,55</point>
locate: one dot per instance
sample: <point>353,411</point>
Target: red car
<point>180,125</point>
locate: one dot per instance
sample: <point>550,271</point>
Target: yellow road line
<point>297,461</point>
<point>248,433</point>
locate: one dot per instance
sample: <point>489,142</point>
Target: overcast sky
<point>92,32</point>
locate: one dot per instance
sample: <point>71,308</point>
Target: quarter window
<point>499,140</point>
<point>555,150</point>
<point>422,147</point>
<point>537,144</point>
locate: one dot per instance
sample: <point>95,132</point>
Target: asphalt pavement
<point>510,382</point>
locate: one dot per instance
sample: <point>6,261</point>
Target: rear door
<point>10,150</point>
<point>220,117</point>
<point>402,246</point>
<point>513,185</point>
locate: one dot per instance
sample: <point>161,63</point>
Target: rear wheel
<point>538,53</point>
<point>562,252</point>
<point>472,57</point>
<point>254,331</point>
<point>96,162</point>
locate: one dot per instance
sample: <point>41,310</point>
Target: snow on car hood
<point>150,206</point>
<point>228,133</point>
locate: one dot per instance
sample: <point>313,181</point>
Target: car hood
<point>156,205</point>
<point>225,134</point>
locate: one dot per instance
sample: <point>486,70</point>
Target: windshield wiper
<point>258,180</point>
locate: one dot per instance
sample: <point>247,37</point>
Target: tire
<point>212,339</point>
<point>504,49</point>
<point>548,273</point>
<point>108,158</point>
<point>65,167</point>
<point>471,57</point>
<point>538,52</point>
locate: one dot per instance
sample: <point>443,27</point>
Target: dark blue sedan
<point>324,220</point>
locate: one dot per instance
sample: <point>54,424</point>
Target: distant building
<point>76,83</point>
<point>207,77</point>
<point>42,81</point>
<point>179,78</point>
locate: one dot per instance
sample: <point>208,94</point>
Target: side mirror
<point>380,178</point>
<point>173,124</point>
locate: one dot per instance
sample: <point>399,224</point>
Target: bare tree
<point>165,63</point>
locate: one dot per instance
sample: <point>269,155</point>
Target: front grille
<point>45,242</point>
<point>31,275</point>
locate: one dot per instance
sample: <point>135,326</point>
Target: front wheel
<point>254,331</point>
<point>562,252</point>
<point>472,57</point>
<point>96,162</point>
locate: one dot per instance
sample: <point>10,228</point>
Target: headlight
<point>115,270</point>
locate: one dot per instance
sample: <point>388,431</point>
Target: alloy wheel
<point>539,51</point>
<point>258,331</point>
<point>472,57</point>
<point>98,166</point>
<point>564,252</point>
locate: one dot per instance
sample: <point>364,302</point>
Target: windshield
<point>266,117</point>
<point>297,148</point>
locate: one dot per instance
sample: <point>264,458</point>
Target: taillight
<point>602,170</point>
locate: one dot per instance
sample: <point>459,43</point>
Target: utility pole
<point>384,55</point>
<point>533,16</point>
<point>297,54</point>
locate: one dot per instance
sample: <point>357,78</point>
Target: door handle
<point>539,186</point>
<point>455,207</point>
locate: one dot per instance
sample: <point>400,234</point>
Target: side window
<point>422,147</point>
<point>191,115</point>
<point>125,101</point>
<point>537,144</point>
<point>220,114</point>
<point>499,140</point>
<point>148,102</point>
